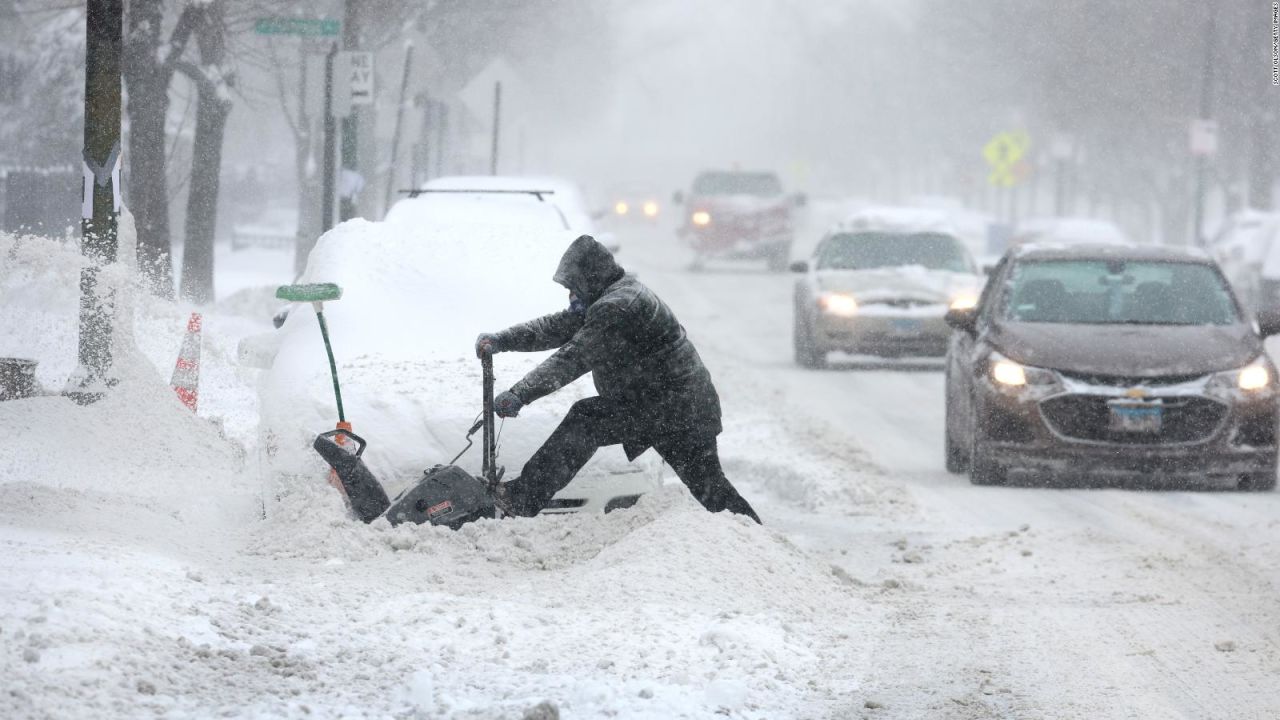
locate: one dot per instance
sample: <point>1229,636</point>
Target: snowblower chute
<point>445,495</point>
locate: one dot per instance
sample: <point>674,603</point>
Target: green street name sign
<point>308,27</point>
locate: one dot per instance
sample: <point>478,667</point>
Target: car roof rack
<point>479,191</point>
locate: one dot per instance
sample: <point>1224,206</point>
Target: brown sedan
<point>1111,362</point>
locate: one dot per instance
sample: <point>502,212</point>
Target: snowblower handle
<point>335,435</point>
<point>489,463</point>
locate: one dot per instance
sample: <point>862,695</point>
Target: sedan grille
<point>1122,381</point>
<point>904,303</point>
<point>1088,417</point>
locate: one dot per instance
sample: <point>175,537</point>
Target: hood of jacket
<point>587,269</point>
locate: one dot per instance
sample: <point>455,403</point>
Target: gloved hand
<point>487,343</point>
<point>507,405</point>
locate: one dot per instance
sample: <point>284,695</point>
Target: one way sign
<point>352,81</point>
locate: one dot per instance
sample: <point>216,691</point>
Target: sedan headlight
<point>1006,373</point>
<point>839,304</point>
<point>1253,378</point>
<point>964,301</point>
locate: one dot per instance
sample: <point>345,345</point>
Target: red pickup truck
<point>736,214</point>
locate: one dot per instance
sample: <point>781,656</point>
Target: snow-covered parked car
<point>417,289</point>
<point>558,194</point>
<point>879,283</point>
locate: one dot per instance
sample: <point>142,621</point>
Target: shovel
<point>318,294</point>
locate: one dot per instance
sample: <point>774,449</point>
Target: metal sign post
<point>101,201</point>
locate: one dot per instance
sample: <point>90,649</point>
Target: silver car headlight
<point>838,304</point>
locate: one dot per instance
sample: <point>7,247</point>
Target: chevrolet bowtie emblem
<point>1136,393</point>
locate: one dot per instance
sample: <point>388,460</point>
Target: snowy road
<point>995,602</point>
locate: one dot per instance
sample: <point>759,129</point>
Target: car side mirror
<point>677,198</point>
<point>965,319</point>
<point>1268,323</point>
<point>801,199</point>
<point>799,266</point>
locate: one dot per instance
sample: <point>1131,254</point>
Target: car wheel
<point>808,354</point>
<point>1259,482</point>
<point>982,469</point>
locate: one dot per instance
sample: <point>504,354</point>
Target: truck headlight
<point>839,304</point>
<point>621,208</point>
<point>650,209</point>
<point>701,218</point>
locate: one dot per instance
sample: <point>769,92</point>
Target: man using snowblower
<point>653,388</point>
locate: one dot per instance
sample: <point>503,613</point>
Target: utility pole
<point>104,31</point>
<point>1206,113</point>
<point>497,123</point>
<point>350,127</point>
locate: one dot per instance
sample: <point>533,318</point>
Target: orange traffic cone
<point>186,373</point>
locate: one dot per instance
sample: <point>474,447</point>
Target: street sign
<point>352,81</point>
<point>306,27</point>
<point>359,67</point>
<point>1204,137</point>
<point>1003,153</point>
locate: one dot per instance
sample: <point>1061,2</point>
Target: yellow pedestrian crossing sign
<point>1003,152</point>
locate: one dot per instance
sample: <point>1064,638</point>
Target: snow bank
<point>139,578</point>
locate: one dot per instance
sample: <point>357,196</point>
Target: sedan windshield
<point>1100,292</point>
<point>873,250</point>
<point>737,183</point>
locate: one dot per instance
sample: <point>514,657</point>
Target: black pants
<point>594,423</point>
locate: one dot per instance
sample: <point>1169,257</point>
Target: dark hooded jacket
<point>632,344</point>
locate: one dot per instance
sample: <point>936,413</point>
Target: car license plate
<point>1135,418</point>
<point>905,326</point>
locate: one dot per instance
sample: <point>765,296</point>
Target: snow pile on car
<point>416,292</point>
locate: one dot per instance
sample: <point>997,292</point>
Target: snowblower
<point>446,495</point>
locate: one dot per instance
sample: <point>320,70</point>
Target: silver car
<point>880,284</point>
